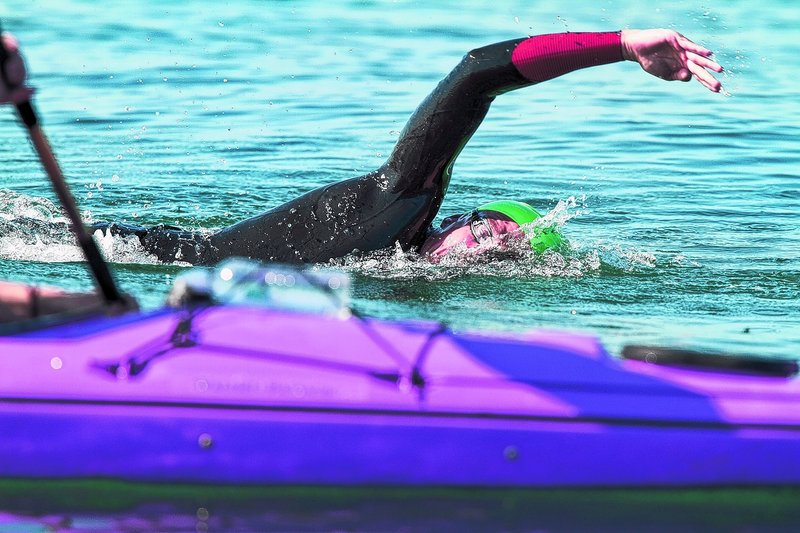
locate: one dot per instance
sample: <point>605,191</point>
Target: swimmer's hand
<point>12,80</point>
<point>669,55</point>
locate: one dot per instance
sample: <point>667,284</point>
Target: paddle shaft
<point>104,280</point>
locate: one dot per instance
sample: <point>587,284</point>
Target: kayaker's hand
<point>12,81</point>
<point>669,55</point>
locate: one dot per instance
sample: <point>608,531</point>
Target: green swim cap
<point>542,238</point>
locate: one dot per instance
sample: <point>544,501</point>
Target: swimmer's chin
<point>473,254</point>
<point>435,254</point>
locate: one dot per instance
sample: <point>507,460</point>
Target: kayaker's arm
<point>19,301</point>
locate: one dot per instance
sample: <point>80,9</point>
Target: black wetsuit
<point>397,202</point>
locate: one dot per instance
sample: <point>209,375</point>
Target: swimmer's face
<point>480,229</point>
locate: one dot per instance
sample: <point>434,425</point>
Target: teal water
<point>682,207</point>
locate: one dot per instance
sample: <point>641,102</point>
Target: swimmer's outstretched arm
<point>421,162</point>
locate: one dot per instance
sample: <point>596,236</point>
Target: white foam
<point>34,229</point>
<point>574,260</point>
<point>119,249</point>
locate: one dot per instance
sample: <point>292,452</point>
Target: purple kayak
<point>247,395</point>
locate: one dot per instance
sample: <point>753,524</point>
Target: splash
<point>128,249</point>
<point>518,262</point>
<point>573,260</point>
<point>14,205</point>
<point>564,211</point>
<point>35,229</point>
<point>514,262</point>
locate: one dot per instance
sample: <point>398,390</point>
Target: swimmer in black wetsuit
<point>398,202</point>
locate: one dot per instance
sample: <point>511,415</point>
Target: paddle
<point>102,275</point>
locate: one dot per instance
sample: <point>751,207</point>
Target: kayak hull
<point>238,445</point>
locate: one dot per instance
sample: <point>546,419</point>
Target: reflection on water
<point>106,506</point>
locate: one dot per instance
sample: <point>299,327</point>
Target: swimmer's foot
<point>119,228</point>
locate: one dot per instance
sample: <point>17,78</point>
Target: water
<point>681,206</point>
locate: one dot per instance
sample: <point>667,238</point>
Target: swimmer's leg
<point>167,243</point>
<point>170,244</point>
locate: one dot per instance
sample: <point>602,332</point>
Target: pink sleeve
<point>545,57</point>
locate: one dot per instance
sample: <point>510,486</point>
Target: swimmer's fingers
<point>698,63</point>
<point>693,47</point>
<point>704,77</point>
<point>704,62</point>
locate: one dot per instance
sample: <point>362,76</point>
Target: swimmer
<point>398,202</point>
